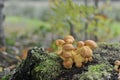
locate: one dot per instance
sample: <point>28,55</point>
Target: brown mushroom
<point>92,44</point>
<point>68,64</point>
<point>90,59</point>
<point>68,47</point>
<point>67,55</point>
<point>78,59</point>
<point>69,39</point>
<point>59,42</point>
<point>80,44</point>
<point>117,65</point>
<point>117,62</point>
<point>67,51</point>
<point>86,52</point>
<point>78,64</point>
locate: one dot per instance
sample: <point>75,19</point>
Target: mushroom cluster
<point>79,55</point>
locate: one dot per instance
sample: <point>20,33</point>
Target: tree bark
<point>72,30</point>
<point>86,24</point>
<point>2,36</point>
<point>96,20</point>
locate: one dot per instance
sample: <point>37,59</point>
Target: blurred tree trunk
<point>86,24</point>
<point>96,20</point>
<point>2,36</point>
<point>72,30</point>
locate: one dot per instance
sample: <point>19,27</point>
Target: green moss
<point>107,52</point>
<point>39,65</point>
<point>97,72</point>
<point>99,67</point>
<point>46,70</point>
<point>6,77</point>
<point>47,66</point>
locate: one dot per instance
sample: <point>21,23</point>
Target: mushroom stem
<point>119,76</point>
<point>116,67</point>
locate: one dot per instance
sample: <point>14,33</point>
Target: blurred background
<point>28,23</point>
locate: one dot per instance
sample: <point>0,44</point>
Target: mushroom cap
<point>68,64</point>
<point>78,65</point>
<point>86,52</point>
<point>67,54</point>
<point>69,39</point>
<point>68,47</point>
<point>117,62</point>
<point>59,42</point>
<point>92,44</point>
<point>80,44</point>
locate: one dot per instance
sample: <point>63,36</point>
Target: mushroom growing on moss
<point>67,55</point>
<point>78,59</point>
<point>84,50</point>
<point>117,66</point>
<point>68,63</point>
<point>79,55</point>
<point>86,53</point>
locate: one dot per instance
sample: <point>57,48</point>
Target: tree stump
<point>40,65</point>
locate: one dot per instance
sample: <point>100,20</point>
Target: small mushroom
<point>117,66</point>
<point>86,52</point>
<point>67,55</point>
<point>60,44</point>
<point>67,51</point>
<point>92,44</point>
<point>68,64</point>
<point>68,47</point>
<point>78,59</point>
<point>119,76</point>
<point>80,44</point>
<point>90,59</point>
<point>69,39</point>
<point>79,64</point>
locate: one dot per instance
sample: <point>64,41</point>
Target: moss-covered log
<point>42,66</point>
